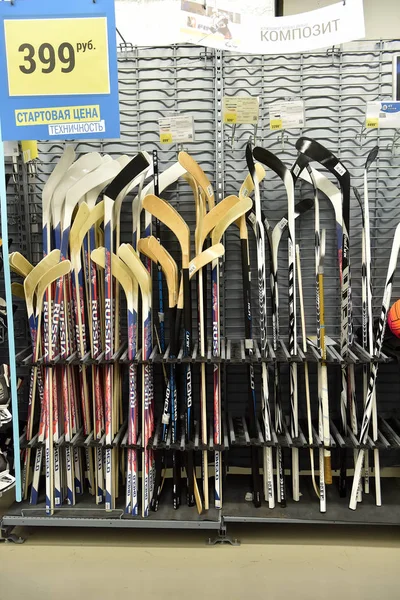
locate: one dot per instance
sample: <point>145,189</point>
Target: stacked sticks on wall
<point>74,304</point>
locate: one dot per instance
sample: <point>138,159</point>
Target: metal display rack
<point>335,85</point>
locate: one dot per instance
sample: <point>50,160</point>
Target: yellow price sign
<point>166,138</point>
<point>275,124</point>
<point>230,118</point>
<point>57,57</point>
<point>372,123</point>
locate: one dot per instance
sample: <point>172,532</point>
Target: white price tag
<point>238,110</point>
<point>340,169</point>
<point>383,115</point>
<point>176,130</point>
<point>286,115</point>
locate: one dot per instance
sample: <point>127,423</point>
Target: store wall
<point>382,19</point>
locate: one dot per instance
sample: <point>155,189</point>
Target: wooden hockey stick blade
<point>75,239</point>
<point>85,219</point>
<point>154,250</point>
<point>200,207</point>
<point>18,290</point>
<point>247,186</point>
<point>32,280</point>
<point>20,264</point>
<point>198,262</point>
<point>144,248</point>
<point>192,167</point>
<point>55,272</point>
<point>215,216</point>
<point>139,271</point>
<point>171,218</point>
<point>231,216</point>
<point>119,269</point>
<point>205,257</point>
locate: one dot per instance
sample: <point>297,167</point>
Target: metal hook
<point>283,140</point>
<point>233,136</point>
<point>396,138</point>
<point>362,135</point>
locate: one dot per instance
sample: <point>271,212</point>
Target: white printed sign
<point>286,115</point>
<point>383,115</point>
<point>239,110</point>
<point>176,129</point>
<point>218,25</point>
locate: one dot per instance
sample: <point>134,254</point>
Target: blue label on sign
<point>58,70</point>
<point>390,107</point>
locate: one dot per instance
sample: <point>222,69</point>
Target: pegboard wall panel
<point>335,86</point>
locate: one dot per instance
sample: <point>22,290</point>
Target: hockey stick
<point>152,248</point>
<point>165,180</point>
<point>246,189</point>
<point>171,218</point>
<point>367,321</point>
<point>82,224</point>
<point>321,492</point>
<point>270,160</point>
<point>364,334</point>
<point>192,167</point>
<point>129,285</point>
<point>19,264</point>
<point>249,346</point>
<point>274,237</point>
<point>323,397</point>
<point>370,159</point>
<point>137,180</point>
<point>109,169</point>
<point>140,273</point>
<point>53,483</point>
<point>262,295</point>
<point>30,285</point>
<point>123,179</point>
<point>231,216</point>
<point>315,151</point>
<point>368,405</point>
<point>206,197</point>
<point>65,197</point>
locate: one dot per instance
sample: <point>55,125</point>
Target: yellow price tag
<point>372,123</point>
<point>275,124</point>
<point>230,118</point>
<point>29,150</point>
<point>166,138</point>
<point>54,57</point>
